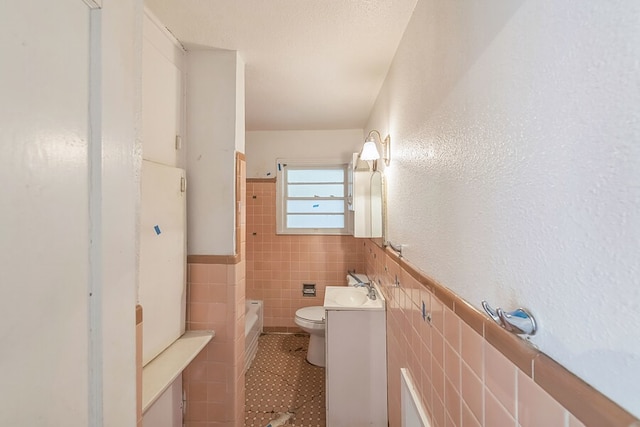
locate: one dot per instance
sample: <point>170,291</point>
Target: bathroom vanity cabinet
<point>356,375</point>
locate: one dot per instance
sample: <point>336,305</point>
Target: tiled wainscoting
<point>469,371</point>
<point>214,381</point>
<point>278,265</point>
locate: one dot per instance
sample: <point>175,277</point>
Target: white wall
<point>514,175</point>
<point>121,160</point>
<point>264,147</point>
<point>240,108</point>
<point>68,249</point>
<point>213,99</point>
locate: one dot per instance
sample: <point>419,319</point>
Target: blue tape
<point>157,229</point>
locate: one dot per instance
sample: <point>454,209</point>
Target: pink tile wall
<point>277,266</point>
<point>463,380</point>
<point>214,381</point>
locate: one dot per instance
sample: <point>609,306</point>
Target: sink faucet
<point>371,291</point>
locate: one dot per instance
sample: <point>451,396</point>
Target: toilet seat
<point>313,314</point>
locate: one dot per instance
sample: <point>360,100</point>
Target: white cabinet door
<point>162,95</point>
<point>162,289</point>
<point>356,368</point>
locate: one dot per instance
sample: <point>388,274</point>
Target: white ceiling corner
<point>310,64</point>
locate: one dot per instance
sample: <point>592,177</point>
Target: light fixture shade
<point>370,151</point>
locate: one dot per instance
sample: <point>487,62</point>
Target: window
<point>311,198</point>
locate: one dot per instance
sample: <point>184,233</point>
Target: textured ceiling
<point>310,64</point>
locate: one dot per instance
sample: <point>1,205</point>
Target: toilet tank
<point>352,282</point>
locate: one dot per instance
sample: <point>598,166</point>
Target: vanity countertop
<point>352,298</point>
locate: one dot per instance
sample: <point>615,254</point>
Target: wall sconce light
<point>370,151</point>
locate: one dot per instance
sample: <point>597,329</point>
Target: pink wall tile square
<point>437,314</point>
<point>197,411</point>
<point>438,415</point>
<point>218,293</point>
<point>437,373</point>
<point>217,313</point>
<point>437,347</point>
<point>535,406</point>
<point>452,402</point>
<point>198,273</point>
<point>216,392</point>
<point>472,349</point>
<point>220,411</point>
<point>197,392</point>
<point>198,312</point>
<point>452,329</point>
<point>468,417</point>
<point>452,366</point>
<point>199,292</point>
<point>217,273</point>
<point>472,392</point>
<point>495,414</point>
<point>500,378</point>
<point>426,392</point>
<point>231,277</point>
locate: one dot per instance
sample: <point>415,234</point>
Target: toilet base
<point>315,353</point>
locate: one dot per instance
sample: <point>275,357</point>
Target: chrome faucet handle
<point>519,321</point>
<point>372,293</point>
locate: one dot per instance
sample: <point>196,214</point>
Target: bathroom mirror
<point>366,200</point>
<point>380,241</point>
<point>376,194</point>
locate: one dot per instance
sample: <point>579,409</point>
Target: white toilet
<point>311,320</point>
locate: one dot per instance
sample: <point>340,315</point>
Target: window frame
<point>282,195</point>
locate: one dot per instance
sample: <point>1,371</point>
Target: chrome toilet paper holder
<point>518,321</point>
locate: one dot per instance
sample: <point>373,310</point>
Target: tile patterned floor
<point>281,384</point>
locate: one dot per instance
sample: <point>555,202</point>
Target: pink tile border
<point>504,365</point>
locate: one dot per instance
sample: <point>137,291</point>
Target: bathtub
<point>252,330</point>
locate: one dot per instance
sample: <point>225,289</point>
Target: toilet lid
<point>312,314</point>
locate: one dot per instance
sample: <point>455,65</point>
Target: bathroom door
<point>45,232</point>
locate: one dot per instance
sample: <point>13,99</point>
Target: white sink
<point>351,297</point>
